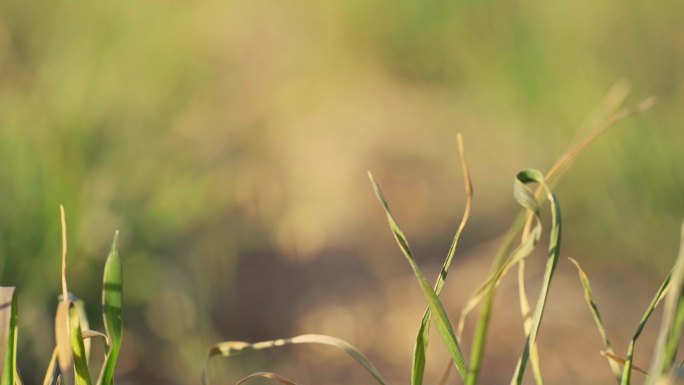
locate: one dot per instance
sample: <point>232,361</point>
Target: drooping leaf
<point>231,348</point>
<point>271,376</point>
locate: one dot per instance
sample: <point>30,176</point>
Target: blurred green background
<point>228,141</point>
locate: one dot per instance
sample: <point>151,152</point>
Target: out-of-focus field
<point>228,141</point>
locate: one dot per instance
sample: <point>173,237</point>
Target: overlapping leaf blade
<point>422,339</point>
<point>436,308</point>
<point>533,176</point>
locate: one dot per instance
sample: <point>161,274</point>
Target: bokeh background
<point>228,141</point>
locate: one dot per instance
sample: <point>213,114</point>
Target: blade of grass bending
<point>112,301</point>
<point>78,347</point>
<point>525,310</point>
<point>593,307</point>
<point>271,376</point>
<point>422,339</point>
<point>627,370</point>
<point>8,335</point>
<point>231,348</point>
<point>671,324</point>
<point>436,308</point>
<point>502,264</point>
<point>523,178</point>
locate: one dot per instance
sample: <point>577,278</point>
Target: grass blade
<point>8,335</point>
<point>627,370</point>
<point>436,308</point>
<point>112,300</point>
<point>271,376</point>
<point>502,264</point>
<point>523,178</point>
<point>231,348</point>
<point>52,372</point>
<point>589,297</point>
<point>78,347</point>
<point>671,326</point>
<point>422,339</point>
<point>619,360</point>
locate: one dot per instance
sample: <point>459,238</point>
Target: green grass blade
<point>593,307</point>
<point>422,339</point>
<point>231,348</point>
<point>534,176</point>
<point>627,370</point>
<point>271,376</point>
<point>671,326</point>
<point>8,335</point>
<point>85,324</point>
<point>503,263</point>
<point>77,346</point>
<point>436,307</point>
<point>112,301</point>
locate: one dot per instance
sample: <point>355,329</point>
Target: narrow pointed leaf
<point>231,348</point>
<point>672,322</point>
<point>593,307</point>
<point>112,301</point>
<point>422,339</point>
<point>436,308</point>
<point>627,370</point>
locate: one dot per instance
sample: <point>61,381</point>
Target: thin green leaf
<point>271,376</point>
<point>85,324</point>
<point>80,359</point>
<point>673,320</point>
<point>593,307</point>
<point>501,265</point>
<point>422,339</point>
<point>437,309</point>
<point>112,301</point>
<point>627,370</point>
<point>231,348</point>
<point>534,176</point>
<point>8,335</point>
